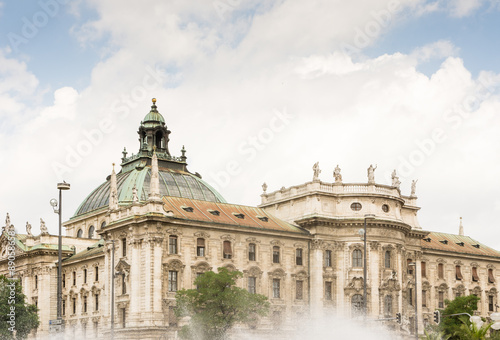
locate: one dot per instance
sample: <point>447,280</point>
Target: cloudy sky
<point>257,91</point>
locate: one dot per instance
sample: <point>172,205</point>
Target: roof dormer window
<point>214,212</point>
<point>188,209</point>
<point>239,215</point>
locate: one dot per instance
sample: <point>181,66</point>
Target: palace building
<point>301,247</point>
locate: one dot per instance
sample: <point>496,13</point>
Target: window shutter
<point>475,277</point>
<point>200,242</point>
<point>423,269</point>
<point>491,279</point>
<point>227,248</point>
<point>458,273</point>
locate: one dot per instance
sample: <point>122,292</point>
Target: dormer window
<point>476,246</point>
<point>263,218</point>
<point>214,212</point>
<point>239,215</point>
<point>427,239</point>
<point>461,244</point>
<point>188,209</point>
<point>444,241</point>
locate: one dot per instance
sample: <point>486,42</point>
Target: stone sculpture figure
<point>135,198</point>
<point>28,229</point>
<point>371,174</point>
<point>337,175</point>
<point>43,227</point>
<point>413,186</point>
<point>395,179</point>
<point>264,187</point>
<point>316,171</point>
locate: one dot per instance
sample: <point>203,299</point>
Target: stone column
<point>418,288</point>
<point>157,282</point>
<point>135,276</point>
<point>316,289</point>
<point>373,278</point>
<point>399,270</point>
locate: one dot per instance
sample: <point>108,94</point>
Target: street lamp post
<point>53,202</point>
<point>363,231</point>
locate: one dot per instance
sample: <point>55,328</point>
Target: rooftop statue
<point>28,229</point>
<point>317,171</point>
<point>371,174</point>
<point>337,175</point>
<point>395,179</point>
<point>413,186</point>
<point>264,187</point>
<point>135,198</point>
<point>43,228</point>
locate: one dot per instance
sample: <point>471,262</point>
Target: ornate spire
<point>461,228</point>
<point>113,193</point>
<point>154,186</point>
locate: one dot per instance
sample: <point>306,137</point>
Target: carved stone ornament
<point>201,234</point>
<point>253,271</point>
<point>252,240</point>
<point>174,231</point>
<point>174,265</point>
<point>316,244</point>
<point>277,273</point>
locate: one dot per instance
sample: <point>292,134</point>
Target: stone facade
<point>301,247</point>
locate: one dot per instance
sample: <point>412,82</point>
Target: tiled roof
<point>224,213</point>
<point>95,249</point>
<point>457,244</point>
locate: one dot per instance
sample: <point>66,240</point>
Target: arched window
<point>79,233</point>
<point>91,231</point>
<point>388,259</point>
<point>388,305</point>
<point>357,304</point>
<point>357,258</point>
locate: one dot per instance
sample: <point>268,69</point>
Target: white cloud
<point>221,90</point>
<point>462,8</point>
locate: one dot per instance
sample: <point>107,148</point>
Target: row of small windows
<point>356,206</point>
<point>217,213</point>
<point>91,231</point>
<point>227,251</point>
<point>85,306</point>
<point>459,276</point>
<point>73,277</point>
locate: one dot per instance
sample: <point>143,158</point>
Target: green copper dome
<point>172,183</point>
<point>154,116</point>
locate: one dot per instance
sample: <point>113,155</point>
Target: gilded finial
<point>154,148</point>
<point>113,166</point>
<point>154,100</point>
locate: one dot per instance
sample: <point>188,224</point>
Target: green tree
<point>15,313</point>
<point>470,331</point>
<point>216,305</point>
<point>451,325</point>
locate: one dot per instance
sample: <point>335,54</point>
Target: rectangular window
<point>85,276</point>
<point>124,318</point>
<point>96,329</point>
<point>200,247</point>
<point>36,281</point>
<point>63,279</point>
<point>276,254</point>
<point>252,281</point>
<point>124,247</point>
<point>423,269</point>
<point>276,288</point>
<point>458,273</point>
<point>441,271</point>
<point>328,258</point>
<point>441,300</point>
<point>85,304</point>
<point>251,252</point>
<point>74,278</point>
<point>328,290</point>
<point>172,319</point>
<point>96,302</point>
<point>96,274</point>
<point>424,298</point>
<point>387,259</point>
<point>227,250</point>
<point>491,278</point>
<point>410,296</point>
<point>299,287</point>
<point>298,257</point>
<point>124,285</point>
<point>490,303</point>
<point>410,268</point>
<point>172,245</point>
<point>172,281</point>
<point>74,305</point>
<point>63,307</point>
